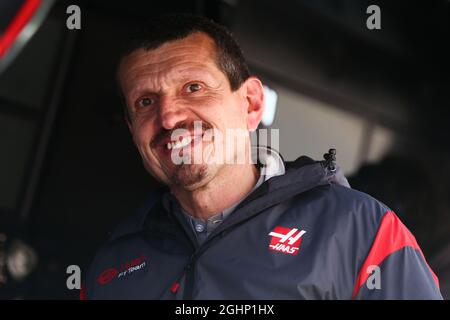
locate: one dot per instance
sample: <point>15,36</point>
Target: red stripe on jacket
<point>83,292</point>
<point>391,237</point>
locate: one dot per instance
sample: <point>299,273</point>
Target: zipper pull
<point>330,160</point>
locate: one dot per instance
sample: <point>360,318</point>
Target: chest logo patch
<point>124,270</point>
<point>286,240</point>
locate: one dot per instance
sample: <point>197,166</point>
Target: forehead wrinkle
<point>177,50</point>
<point>167,61</point>
<point>143,77</point>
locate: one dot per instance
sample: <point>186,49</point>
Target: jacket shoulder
<point>356,203</point>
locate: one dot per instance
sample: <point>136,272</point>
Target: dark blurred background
<point>69,171</point>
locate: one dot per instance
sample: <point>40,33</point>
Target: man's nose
<point>171,113</point>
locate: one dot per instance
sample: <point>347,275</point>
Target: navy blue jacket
<point>297,236</point>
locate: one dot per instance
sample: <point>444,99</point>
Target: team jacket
<point>297,236</point>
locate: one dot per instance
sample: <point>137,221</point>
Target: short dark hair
<point>164,28</point>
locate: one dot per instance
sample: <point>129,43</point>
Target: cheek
<point>143,132</point>
<point>234,112</point>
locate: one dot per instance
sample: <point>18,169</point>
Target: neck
<point>233,184</point>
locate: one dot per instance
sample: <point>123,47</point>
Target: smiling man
<point>225,227</point>
<point>169,88</point>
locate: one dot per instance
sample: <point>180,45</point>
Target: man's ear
<point>254,94</point>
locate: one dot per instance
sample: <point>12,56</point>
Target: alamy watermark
<point>373,22</point>
<point>73,21</point>
<point>212,146</point>
<point>374,279</point>
<point>74,279</point>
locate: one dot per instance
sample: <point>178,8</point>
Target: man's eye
<point>193,87</point>
<point>145,102</point>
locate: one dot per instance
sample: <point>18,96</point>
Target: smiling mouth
<point>179,144</point>
<point>185,141</point>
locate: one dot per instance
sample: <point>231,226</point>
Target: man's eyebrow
<point>137,93</point>
<point>193,73</point>
<point>184,77</point>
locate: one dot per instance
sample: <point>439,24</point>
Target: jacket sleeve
<point>395,267</point>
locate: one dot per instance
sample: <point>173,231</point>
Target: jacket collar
<point>299,176</point>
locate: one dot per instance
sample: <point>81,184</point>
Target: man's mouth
<point>183,142</point>
<point>179,144</point>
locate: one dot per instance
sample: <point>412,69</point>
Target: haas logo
<point>286,240</point>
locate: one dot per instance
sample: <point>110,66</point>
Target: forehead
<point>193,54</point>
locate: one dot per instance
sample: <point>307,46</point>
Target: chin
<point>192,176</point>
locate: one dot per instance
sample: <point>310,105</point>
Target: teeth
<point>179,144</point>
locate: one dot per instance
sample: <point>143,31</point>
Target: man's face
<point>170,88</point>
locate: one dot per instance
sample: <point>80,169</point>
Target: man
<point>225,227</point>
